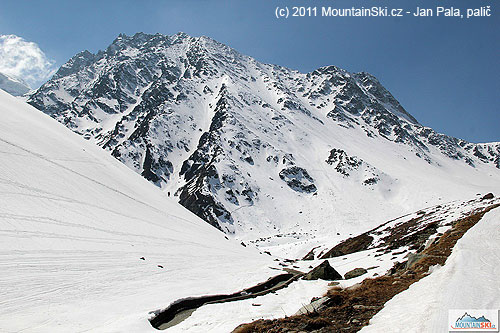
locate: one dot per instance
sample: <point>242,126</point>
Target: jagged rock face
<point>354,167</point>
<point>298,179</point>
<point>236,139</point>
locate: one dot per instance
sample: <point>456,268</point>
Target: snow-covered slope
<point>74,223</point>
<point>468,280</point>
<point>13,86</point>
<point>378,251</point>
<point>270,154</point>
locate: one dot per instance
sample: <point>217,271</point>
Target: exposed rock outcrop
<point>324,272</point>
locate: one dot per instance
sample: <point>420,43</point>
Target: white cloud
<point>24,60</point>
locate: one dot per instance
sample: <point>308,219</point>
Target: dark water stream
<point>182,309</point>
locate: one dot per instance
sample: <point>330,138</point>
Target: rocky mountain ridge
<point>255,149</point>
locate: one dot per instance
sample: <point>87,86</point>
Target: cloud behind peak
<point>24,60</point>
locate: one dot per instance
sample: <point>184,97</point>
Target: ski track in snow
<point>74,223</point>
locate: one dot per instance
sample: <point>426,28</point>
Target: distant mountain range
<point>13,86</point>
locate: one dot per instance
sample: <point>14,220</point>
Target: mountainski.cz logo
<point>473,320</point>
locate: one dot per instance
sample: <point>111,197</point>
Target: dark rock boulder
<point>488,196</point>
<point>355,273</point>
<point>324,272</point>
<point>350,245</point>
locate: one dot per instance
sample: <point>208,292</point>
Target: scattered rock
<point>314,306</point>
<point>324,271</point>
<point>335,288</point>
<point>348,246</point>
<point>160,266</point>
<point>397,268</point>
<point>488,196</point>
<point>142,258</point>
<point>365,307</point>
<point>413,258</point>
<point>309,255</point>
<point>355,273</point>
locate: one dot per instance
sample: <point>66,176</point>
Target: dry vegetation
<point>348,310</point>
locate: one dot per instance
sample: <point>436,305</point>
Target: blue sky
<point>444,71</point>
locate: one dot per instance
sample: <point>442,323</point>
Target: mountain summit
<point>263,151</point>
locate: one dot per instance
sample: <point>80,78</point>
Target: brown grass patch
<point>348,310</point>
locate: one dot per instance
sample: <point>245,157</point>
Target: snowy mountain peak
<point>236,139</point>
<point>373,86</point>
<point>75,64</point>
<point>13,86</point>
